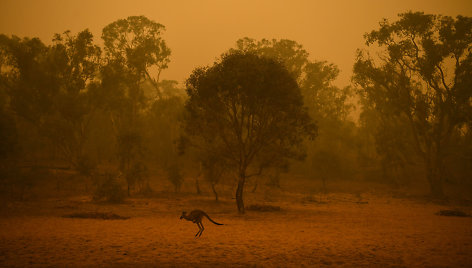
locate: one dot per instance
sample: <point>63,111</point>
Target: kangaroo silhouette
<point>196,216</point>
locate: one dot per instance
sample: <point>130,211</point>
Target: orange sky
<point>199,31</point>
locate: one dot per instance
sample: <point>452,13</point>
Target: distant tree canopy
<point>136,42</point>
<point>72,104</point>
<point>249,110</point>
<point>313,77</point>
<point>134,50</point>
<point>327,104</point>
<point>49,86</point>
<point>421,80</point>
<point>59,92</point>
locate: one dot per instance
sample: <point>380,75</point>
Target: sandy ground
<point>385,232</point>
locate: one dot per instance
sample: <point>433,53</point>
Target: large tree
<point>249,110</point>
<point>421,78</point>
<point>327,104</point>
<point>50,87</point>
<point>136,54</point>
<point>137,43</point>
<point>315,78</point>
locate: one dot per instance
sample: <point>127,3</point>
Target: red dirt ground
<point>384,232</point>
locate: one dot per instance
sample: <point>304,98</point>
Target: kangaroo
<point>196,216</point>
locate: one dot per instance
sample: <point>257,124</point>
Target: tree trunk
<point>214,191</point>
<point>435,184</point>
<point>255,186</point>
<point>434,177</point>
<point>239,194</point>
<point>197,185</point>
<point>274,180</point>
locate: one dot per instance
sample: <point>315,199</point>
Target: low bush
<point>263,208</point>
<point>109,190</point>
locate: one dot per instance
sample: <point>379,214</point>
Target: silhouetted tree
<point>327,104</point>
<point>50,87</point>
<point>244,107</point>
<point>137,43</point>
<point>292,54</point>
<point>313,77</point>
<point>174,175</point>
<point>164,127</point>
<point>422,78</point>
<point>134,49</point>
<point>8,131</point>
<point>213,168</point>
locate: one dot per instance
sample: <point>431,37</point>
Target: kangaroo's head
<point>183,215</point>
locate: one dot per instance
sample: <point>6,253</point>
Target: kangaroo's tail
<point>206,215</point>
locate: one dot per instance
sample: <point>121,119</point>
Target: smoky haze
<point>198,31</point>
<point>236,133</point>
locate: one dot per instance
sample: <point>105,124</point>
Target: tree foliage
<point>136,42</point>
<point>245,107</point>
<point>50,87</point>
<point>134,50</point>
<point>314,78</point>
<point>420,79</point>
<point>327,104</point>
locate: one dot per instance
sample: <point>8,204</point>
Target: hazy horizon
<point>199,31</point>
<point>281,166</point>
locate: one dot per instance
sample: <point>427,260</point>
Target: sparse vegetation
<point>174,176</point>
<point>374,173</point>
<point>109,189</point>
<point>248,110</point>
<point>96,215</point>
<point>263,208</point>
<point>454,213</point>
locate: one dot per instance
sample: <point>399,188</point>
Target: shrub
<point>109,190</point>
<point>174,176</point>
<point>263,208</point>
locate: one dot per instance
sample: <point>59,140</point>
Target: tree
<point>137,43</point>
<point>212,168</point>
<point>50,87</point>
<point>24,77</point>
<point>292,54</point>
<point>422,78</point>
<point>134,50</point>
<point>163,130</point>
<point>314,78</point>
<point>124,102</point>
<point>245,107</point>
<point>327,104</point>
<point>76,62</point>
<point>8,145</point>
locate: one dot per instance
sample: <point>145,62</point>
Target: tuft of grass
<point>109,190</point>
<point>263,208</point>
<point>452,213</point>
<point>96,215</point>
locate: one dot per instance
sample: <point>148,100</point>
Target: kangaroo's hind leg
<point>201,231</point>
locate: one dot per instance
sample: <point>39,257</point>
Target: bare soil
<point>341,231</point>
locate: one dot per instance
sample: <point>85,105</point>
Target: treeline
<point>104,113</point>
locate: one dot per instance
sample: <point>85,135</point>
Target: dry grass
<point>384,232</point>
<point>96,215</point>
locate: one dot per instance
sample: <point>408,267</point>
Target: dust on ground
<point>340,231</point>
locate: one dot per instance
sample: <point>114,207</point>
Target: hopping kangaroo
<point>196,217</point>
